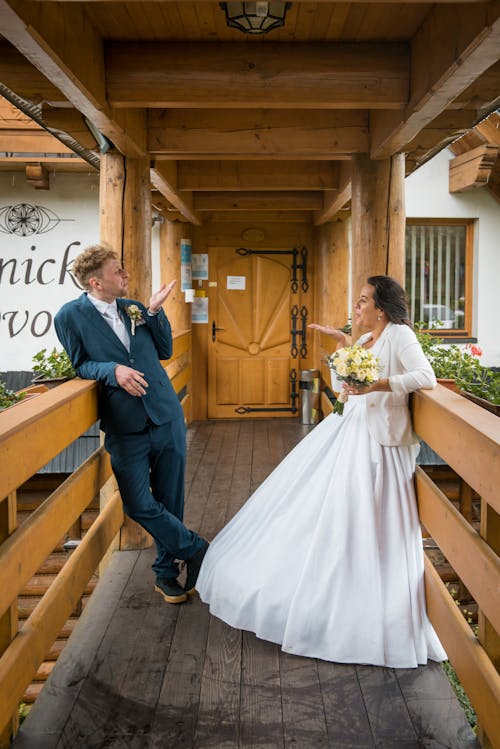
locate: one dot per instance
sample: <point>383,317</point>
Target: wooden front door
<point>249,359</point>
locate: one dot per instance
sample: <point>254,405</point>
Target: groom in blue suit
<point>120,342</point>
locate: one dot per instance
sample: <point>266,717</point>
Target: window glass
<point>436,267</point>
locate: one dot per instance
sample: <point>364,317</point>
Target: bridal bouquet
<point>354,365</point>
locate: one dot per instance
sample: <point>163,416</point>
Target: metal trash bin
<point>310,395</point>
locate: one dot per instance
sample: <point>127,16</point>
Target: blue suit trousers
<point>149,469</point>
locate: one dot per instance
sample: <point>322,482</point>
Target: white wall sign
<point>186,274</point>
<point>199,265</point>
<point>40,235</point>
<point>236,283</point>
<point>199,310</point>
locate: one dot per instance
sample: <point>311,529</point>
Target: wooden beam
<point>440,133</point>
<point>297,2</point>
<point>37,176</point>
<point>249,218</point>
<point>489,129</point>
<point>443,64</point>
<point>257,175</point>
<point>163,177</point>
<point>61,42</point>
<point>258,201</point>
<point>70,122</point>
<point>472,169</point>
<point>30,141</point>
<point>261,74</point>
<point>238,134</point>
<point>52,162</point>
<point>18,74</point>
<point>334,203</point>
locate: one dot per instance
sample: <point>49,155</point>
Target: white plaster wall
<point>33,284</point>
<point>427,196</point>
<point>31,287</point>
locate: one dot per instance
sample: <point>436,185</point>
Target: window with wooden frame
<point>439,274</point>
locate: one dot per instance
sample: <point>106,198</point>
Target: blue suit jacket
<point>95,350</point>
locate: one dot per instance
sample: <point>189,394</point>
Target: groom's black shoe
<point>193,568</point>
<point>170,589</point>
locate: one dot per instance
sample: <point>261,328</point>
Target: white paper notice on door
<point>236,283</point>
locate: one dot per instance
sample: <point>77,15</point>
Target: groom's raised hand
<point>159,298</point>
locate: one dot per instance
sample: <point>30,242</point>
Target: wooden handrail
<point>475,563</point>
<point>25,550</point>
<point>21,660</point>
<point>31,434</point>
<point>64,413</point>
<point>467,437</point>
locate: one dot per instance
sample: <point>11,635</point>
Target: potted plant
<point>483,389</point>
<point>52,368</point>
<point>450,363</point>
<point>8,397</point>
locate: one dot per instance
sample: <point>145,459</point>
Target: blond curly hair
<point>89,263</point>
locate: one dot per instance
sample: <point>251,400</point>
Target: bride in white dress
<point>326,556</point>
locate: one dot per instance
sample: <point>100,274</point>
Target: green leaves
<point>8,397</point>
<point>55,365</point>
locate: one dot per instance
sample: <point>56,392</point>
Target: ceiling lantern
<point>255,17</point>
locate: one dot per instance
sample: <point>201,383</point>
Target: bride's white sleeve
<point>417,371</point>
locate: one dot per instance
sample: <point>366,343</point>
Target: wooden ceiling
<point>237,123</point>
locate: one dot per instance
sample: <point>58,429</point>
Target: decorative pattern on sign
<point>25,219</point>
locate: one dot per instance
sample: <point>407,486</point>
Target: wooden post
<point>488,637</point>
<point>137,223</point>
<point>378,219</point>
<point>125,214</point>
<point>171,233</point>
<point>111,190</point>
<point>8,622</point>
<point>331,254</point>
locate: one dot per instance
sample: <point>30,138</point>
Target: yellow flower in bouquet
<point>354,365</point>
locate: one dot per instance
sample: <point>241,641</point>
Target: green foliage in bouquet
<point>53,365</point>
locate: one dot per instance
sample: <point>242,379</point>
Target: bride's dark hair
<point>390,297</point>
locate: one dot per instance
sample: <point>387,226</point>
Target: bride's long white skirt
<point>326,556</point>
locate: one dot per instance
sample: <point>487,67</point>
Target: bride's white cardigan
<point>405,365</point>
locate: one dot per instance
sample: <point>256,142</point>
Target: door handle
<point>214,331</point>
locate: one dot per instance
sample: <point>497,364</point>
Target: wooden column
<point>378,219</point>
<point>125,225</point>
<point>8,622</point>
<point>111,189</point>
<point>171,233</point>
<point>125,217</point>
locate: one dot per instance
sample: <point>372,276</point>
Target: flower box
<point>493,407</point>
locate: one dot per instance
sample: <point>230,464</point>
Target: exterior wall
<point>427,196</point>
<point>34,277</point>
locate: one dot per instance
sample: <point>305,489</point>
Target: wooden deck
<point>139,673</point>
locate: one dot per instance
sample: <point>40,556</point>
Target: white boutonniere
<point>135,315</point>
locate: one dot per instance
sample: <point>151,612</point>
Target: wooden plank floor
<point>142,674</point>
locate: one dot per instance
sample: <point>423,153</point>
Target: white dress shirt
<point>112,316</point>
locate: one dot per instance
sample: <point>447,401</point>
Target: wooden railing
<point>31,434</point>
<point>467,437</point>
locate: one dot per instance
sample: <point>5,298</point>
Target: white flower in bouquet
<point>354,365</point>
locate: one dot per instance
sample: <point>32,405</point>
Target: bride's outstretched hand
<point>328,330</point>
